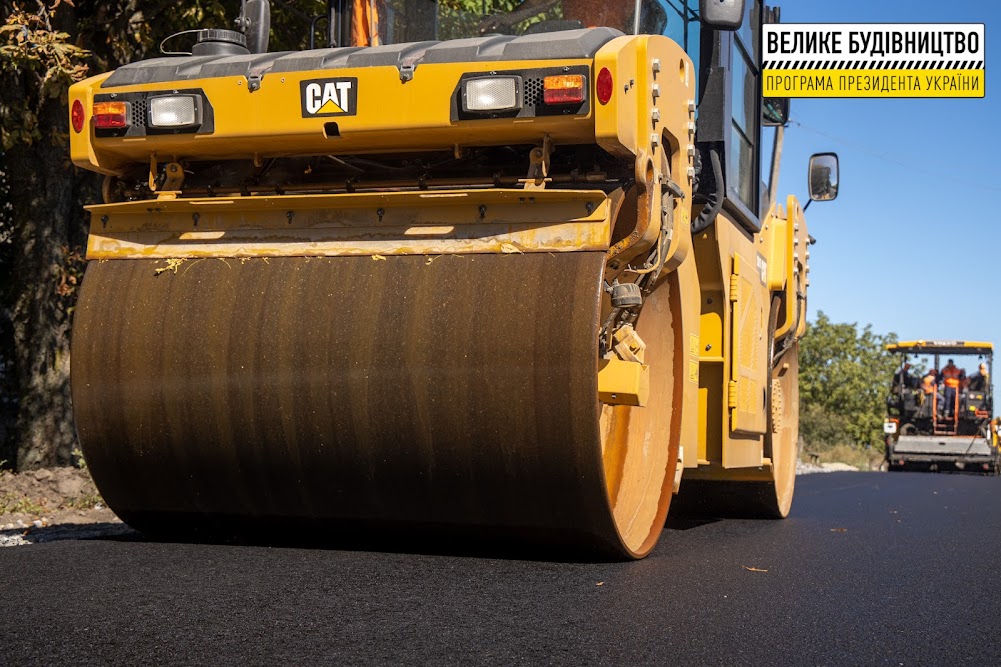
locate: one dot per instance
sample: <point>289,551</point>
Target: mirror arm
<point>773,181</point>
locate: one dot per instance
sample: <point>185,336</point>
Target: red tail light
<point>604,85</point>
<point>76,115</point>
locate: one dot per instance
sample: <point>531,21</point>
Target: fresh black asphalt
<point>870,569</point>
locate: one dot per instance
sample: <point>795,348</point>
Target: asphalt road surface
<point>870,569</point>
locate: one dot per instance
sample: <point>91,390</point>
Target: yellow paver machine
<point>940,417</point>
<point>464,273</point>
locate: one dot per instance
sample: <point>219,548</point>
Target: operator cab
<point>379,22</point>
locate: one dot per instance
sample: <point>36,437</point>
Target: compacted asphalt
<point>870,569</point>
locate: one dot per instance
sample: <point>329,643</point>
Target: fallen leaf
<point>172,265</point>
<point>839,530</point>
<point>601,583</point>
<point>753,569</point>
<point>379,258</point>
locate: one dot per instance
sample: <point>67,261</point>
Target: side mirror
<point>775,111</point>
<point>256,23</point>
<point>823,177</point>
<point>722,14</point>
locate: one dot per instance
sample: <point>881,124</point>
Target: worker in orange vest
<point>928,389</point>
<point>952,377</point>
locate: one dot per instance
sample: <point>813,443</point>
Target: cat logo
<point>329,97</point>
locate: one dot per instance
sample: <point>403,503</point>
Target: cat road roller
<point>460,274</point>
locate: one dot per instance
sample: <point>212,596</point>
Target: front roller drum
<point>456,396</point>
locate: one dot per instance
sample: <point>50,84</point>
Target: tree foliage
<point>45,46</point>
<point>844,375</point>
<point>31,49</point>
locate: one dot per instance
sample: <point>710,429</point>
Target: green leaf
<point>844,373</point>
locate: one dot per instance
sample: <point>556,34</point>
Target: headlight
<point>174,111</point>
<point>492,94</point>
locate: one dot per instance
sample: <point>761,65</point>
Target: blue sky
<point>911,244</point>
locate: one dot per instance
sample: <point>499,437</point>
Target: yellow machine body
<point>204,290</point>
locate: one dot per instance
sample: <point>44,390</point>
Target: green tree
<point>41,224</point>
<point>844,375</point>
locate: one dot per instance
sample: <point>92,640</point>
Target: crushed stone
<point>50,504</point>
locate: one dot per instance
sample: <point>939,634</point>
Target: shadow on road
<point>684,523</point>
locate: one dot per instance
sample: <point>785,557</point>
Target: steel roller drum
<point>453,396</point>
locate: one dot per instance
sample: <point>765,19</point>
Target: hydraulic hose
<point>709,212</point>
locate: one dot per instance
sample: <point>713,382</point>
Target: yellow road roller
<point>457,272</point>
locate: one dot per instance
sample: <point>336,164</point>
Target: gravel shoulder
<point>804,468</point>
<point>52,504</point>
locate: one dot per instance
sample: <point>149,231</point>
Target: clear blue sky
<point>911,244</point>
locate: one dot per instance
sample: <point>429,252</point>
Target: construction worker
<point>978,381</point>
<point>903,378</point>
<point>928,390</point>
<point>952,377</point>
<point>365,23</point>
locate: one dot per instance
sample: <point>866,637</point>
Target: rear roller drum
<point>766,499</point>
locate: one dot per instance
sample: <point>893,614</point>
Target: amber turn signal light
<point>110,115</point>
<point>563,89</point>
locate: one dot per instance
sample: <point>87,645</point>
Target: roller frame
<point>180,279</point>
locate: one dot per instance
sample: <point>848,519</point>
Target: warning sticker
<point>873,60</point>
